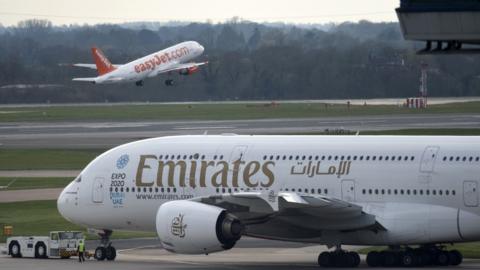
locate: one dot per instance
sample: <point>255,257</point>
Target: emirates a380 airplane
<point>176,58</point>
<point>201,194</point>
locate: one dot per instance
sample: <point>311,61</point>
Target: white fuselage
<point>154,64</point>
<point>421,189</point>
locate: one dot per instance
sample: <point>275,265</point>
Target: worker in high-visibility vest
<point>81,250</point>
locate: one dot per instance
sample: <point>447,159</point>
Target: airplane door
<point>348,190</point>
<point>238,152</point>
<point>97,191</point>
<point>428,159</point>
<point>470,193</point>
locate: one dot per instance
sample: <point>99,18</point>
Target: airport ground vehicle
<point>59,244</point>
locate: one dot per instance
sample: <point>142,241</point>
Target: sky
<point>61,12</point>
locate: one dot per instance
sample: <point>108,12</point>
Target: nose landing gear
<point>105,250</point>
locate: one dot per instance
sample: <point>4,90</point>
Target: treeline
<point>247,61</point>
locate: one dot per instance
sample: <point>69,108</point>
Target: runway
<point>250,254</point>
<point>109,134</point>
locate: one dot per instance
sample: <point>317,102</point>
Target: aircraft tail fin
<point>101,61</point>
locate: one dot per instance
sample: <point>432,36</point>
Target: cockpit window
<point>78,179</point>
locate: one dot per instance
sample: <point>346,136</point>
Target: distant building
<point>445,25</point>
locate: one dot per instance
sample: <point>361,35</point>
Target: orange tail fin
<point>103,65</point>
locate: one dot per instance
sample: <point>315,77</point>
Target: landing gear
<point>105,250</point>
<point>418,257</point>
<point>139,83</point>
<point>169,82</point>
<point>453,46</point>
<point>339,258</point>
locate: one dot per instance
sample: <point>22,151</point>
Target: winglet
<point>103,64</point>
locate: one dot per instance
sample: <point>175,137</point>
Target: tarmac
<point>250,254</point>
<point>110,134</point>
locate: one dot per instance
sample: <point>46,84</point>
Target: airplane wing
<point>289,215</point>
<point>90,66</point>
<point>180,67</point>
<point>84,79</point>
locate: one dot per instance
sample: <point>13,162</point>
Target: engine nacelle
<point>188,71</point>
<point>195,228</point>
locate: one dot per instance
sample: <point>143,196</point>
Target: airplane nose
<point>65,204</point>
<point>62,204</point>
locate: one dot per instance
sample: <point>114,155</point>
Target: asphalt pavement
<point>110,134</point>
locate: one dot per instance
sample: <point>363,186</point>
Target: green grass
<point>34,182</point>
<point>45,159</point>
<point>41,217</point>
<point>469,250</point>
<point>216,111</point>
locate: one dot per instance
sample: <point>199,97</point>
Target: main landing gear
<point>428,255</point>
<point>339,258</point>
<point>105,250</point>
<point>169,82</point>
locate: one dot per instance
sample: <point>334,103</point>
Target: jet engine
<point>188,71</point>
<point>195,228</point>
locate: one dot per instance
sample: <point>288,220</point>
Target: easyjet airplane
<point>175,58</point>
<point>201,194</point>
